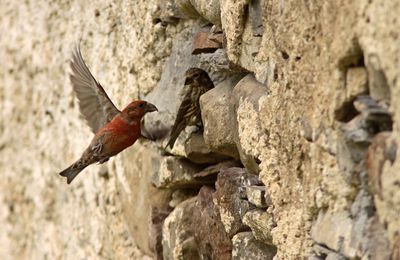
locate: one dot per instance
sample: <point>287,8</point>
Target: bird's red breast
<point>119,134</point>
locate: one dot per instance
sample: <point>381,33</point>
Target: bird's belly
<point>117,136</point>
<point>122,142</point>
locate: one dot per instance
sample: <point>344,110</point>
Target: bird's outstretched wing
<point>94,104</point>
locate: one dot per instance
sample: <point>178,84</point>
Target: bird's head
<point>198,77</point>
<point>137,109</point>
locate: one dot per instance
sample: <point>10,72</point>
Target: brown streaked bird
<point>198,82</point>
<point>114,130</point>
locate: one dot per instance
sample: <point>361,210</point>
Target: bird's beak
<point>150,107</point>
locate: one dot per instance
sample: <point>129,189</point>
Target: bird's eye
<point>141,105</point>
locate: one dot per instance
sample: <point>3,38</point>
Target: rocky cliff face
<point>297,158</point>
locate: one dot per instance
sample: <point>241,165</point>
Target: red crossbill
<point>114,130</point>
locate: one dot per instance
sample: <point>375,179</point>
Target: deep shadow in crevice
<point>354,58</point>
<point>346,112</point>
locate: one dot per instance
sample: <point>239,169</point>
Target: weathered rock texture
<point>300,133</point>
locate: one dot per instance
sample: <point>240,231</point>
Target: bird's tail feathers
<point>72,171</point>
<point>174,135</point>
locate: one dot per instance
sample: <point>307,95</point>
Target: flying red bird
<point>114,130</point>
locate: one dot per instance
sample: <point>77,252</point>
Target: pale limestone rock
<point>233,22</point>
<point>324,253</point>
<point>382,150</point>
<point>378,244</point>
<point>133,182</point>
<point>209,10</point>
<point>242,22</point>
<point>261,224</point>
<point>356,85</point>
<point>245,246</point>
<point>250,139</point>
<point>177,173</point>
<point>197,151</point>
<point>194,231</point>
<point>378,83</point>
<point>178,238</point>
<point>356,82</point>
<point>187,9</point>
<point>218,118</point>
<point>225,110</point>
<point>258,196</point>
<point>344,232</point>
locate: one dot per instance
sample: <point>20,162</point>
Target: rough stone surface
<point>356,82</point>
<point>177,173</point>
<point>249,138</point>
<point>218,118</point>
<point>245,246</point>
<point>186,8</point>
<point>233,22</point>
<point>258,196</point>
<point>321,252</point>
<point>345,232</point>
<point>147,214</point>
<point>261,224</point>
<point>178,238</point>
<point>213,170</point>
<point>336,238</point>
<point>209,10</point>
<point>379,243</point>
<point>229,198</point>
<point>382,150</point>
<point>203,44</point>
<point>194,230</point>
<point>212,240</point>
<point>316,58</point>
<point>197,151</point>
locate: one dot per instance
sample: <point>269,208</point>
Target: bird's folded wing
<point>94,104</point>
<point>185,111</point>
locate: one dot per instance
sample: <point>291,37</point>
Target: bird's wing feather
<point>186,111</point>
<point>94,104</point>
<point>185,106</point>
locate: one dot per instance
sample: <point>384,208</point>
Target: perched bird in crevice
<point>114,130</point>
<point>197,82</point>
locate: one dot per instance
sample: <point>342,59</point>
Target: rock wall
<point>297,158</point>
